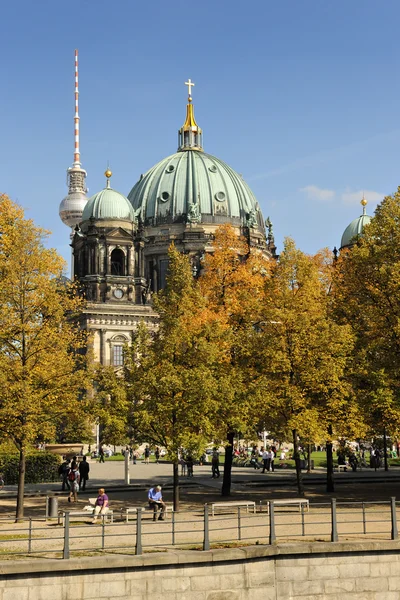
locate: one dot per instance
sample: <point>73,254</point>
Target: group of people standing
<point>74,476</point>
<point>268,458</point>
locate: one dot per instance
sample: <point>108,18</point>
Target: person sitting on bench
<point>101,506</point>
<point>156,502</point>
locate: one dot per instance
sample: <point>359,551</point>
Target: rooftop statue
<point>194,215</point>
<point>251,220</point>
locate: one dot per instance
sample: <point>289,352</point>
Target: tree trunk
<point>176,485</point>
<point>227,480</point>
<point>385,450</point>
<point>330,484</point>
<point>308,458</point>
<point>21,485</point>
<point>297,463</point>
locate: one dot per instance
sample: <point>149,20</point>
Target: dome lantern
<point>190,135</point>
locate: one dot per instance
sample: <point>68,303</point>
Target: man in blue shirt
<point>156,502</point>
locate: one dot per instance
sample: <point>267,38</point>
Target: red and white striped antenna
<point>77,154</point>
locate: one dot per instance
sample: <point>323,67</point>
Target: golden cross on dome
<point>190,84</point>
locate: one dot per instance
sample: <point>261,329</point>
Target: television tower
<point>71,207</point>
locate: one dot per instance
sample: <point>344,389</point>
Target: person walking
<point>101,454</point>
<point>157,454</point>
<point>84,469</point>
<point>265,460</point>
<point>146,455</point>
<point>215,465</point>
<point>156,502</point>
<point>272,460</point>
<point>73,480</point>
<point>189,465</point>
<point>65,470</point>
<point>101,505</point>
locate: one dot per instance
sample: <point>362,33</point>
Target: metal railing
<point>197,529</point>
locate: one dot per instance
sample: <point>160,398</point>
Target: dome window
<point>170,168</point>
<point>213,169</point>
<point>220,196</point>
<point>164,196</point>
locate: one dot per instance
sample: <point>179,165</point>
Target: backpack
<point>71,475</point>
<point>60,469</point>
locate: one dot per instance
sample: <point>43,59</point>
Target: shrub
<point>41,467</point>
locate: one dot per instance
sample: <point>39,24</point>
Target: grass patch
<point>16,536</point>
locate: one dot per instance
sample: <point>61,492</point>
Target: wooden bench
<point>84,513</point>
<point>290,502</point>
<point>245,503</point>
<point>342,467</point>
<point>133,509</point>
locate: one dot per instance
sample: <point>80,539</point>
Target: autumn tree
<point>174,376</point>
<point>42,350</point>
<point>305,353</point>
<point>366,289</point>
<point>111,405</point>
<point>232,284</point>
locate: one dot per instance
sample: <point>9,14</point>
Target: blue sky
<point>301,97</point>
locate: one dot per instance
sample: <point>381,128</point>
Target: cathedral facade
<point>120,243</point>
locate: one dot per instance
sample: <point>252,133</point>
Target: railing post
<point>173,528</point>
<point>334,533</point>
<point>66,535</point>
<point>206,540</point>
<point>395,533</point>
<point>239,525</point>
<point>103,531</point>
<point>364,519</point>
<point>272,535</point>
<point>30,536</point>
<point>138,547</point>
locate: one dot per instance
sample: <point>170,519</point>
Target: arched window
<point>117,350</point>
<point>117,262</point>
<point>118,356</point>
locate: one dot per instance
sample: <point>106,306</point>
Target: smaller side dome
<point>108,204</point>
<point>356,228</point>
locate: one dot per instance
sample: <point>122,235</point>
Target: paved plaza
<point>365,485</point>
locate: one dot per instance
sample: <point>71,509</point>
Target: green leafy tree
<point>43,359</point>
<point>305,353</point>
<point>111,407</point>
<point>366,289</point>
<point>172,376</point>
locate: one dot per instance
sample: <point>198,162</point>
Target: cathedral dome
<point>356,228</point>
<point>191,186</point>
<point>167,192</point>
<point>108,204</point>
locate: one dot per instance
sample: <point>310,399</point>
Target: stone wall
<point>338,571</point>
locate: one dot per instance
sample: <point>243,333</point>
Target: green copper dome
<point>356,228</point>
<point>191,182</point>
<point>108,204</point>
<point>194,187</point>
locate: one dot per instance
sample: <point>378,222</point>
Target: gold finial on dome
<point>364,204</point>
<point>108,174</point>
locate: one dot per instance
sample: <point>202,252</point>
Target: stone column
<point>103,346</point>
